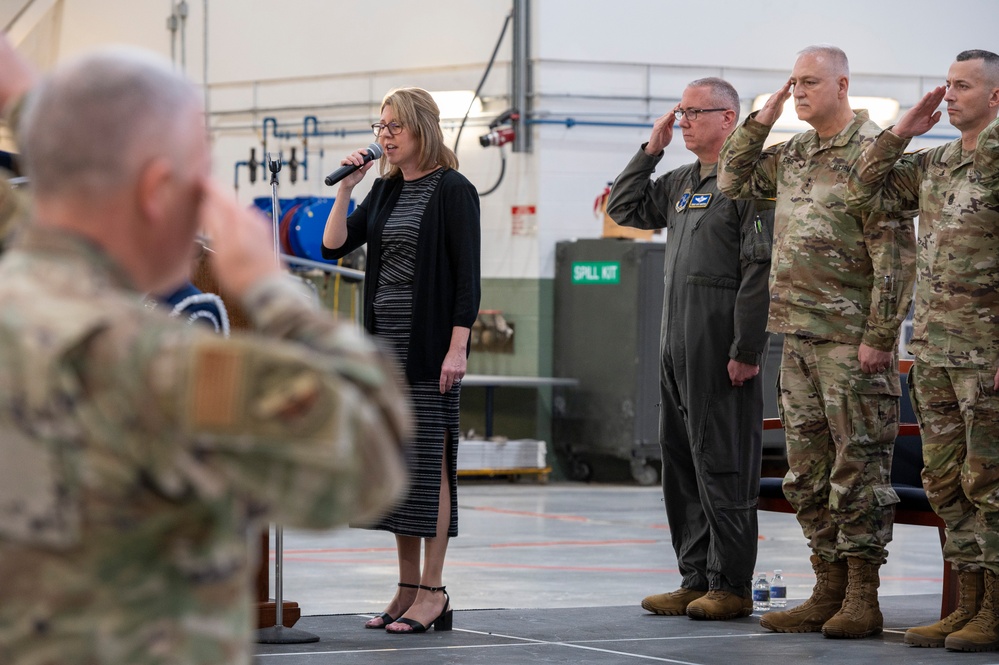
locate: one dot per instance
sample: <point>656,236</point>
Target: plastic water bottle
<point>761,593</point>
<point>778,590</point>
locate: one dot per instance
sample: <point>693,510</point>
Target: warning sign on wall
<point>524,220</point>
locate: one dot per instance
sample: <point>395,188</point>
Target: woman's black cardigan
<point>446,287</point>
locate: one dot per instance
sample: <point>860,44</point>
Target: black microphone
<point>374,152</point>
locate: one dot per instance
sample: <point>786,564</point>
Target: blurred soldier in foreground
<point>137,449</point>
<point>954,384</point>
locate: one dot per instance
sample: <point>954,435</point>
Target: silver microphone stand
<point>279,633</point>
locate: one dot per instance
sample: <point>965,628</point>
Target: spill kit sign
<point>596,272</point>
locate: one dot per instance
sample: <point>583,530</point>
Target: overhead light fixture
<point>454,103</point>
<point>883,111</point>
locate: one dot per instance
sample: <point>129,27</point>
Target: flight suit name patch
<point>700,200</point>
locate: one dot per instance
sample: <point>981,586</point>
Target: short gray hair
<point>723,93</point>
<point>90,127</point>
<point>835,54</point>
<point>990,62</point>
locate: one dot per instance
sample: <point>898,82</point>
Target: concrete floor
<point>544,566</point>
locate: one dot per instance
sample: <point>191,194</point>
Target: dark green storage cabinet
<point>608,312</point>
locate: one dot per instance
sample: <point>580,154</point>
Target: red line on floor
<point>337,550</point>
<point>572,543</point>
<point>505,566</point>
<point>553,543</point>
<point>525,513</point>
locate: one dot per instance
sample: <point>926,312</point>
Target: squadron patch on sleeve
<point>217,386</point>
<point>289,400</point>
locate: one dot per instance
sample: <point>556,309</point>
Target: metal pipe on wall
<point>182,13</point>
<point>521,74</point>
<point>204,59</point>
<point>171,25</point>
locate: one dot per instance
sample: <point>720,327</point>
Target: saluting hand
<point>17,75</point>
<point>243,247</point>
<point>922,116</point>
<point>662,134</point>
<point>775,105</point>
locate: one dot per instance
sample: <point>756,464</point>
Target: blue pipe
<point>342,133</point>
<point>272,121</point>
<point>304,163</point>
<point>235,183</point>
<point>572,122</point>
<point>308,120</point>
<point>567,122</point>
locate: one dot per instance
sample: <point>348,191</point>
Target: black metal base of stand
<point>284,635</point>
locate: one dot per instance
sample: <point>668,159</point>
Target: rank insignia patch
<point>681,205</point>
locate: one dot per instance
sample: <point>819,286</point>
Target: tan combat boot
<point>971,586</point>
<point>673,603</point>
<point>825,601</point>
<point>718,605</point>
<point>860,615</point>
<point>982,632</point>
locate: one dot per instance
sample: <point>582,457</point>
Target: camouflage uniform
<point>137,450</point>
<point>839,278</point>
<point>954,335</point>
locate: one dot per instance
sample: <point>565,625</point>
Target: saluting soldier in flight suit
<point>713,344</point>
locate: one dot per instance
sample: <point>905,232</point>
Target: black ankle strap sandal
<point>444,620</point>
<point>385,616</point>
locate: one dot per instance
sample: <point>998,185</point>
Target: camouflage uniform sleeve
<point>635,199</point>
<point>987,153</point>
<point>883,179</point>
<point>753,299</point>
<point>891,244</point>
<point>305,424</point>
<point>745,169</point>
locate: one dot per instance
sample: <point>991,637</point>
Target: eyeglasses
<point>692,113</point>
<point>392,128</point>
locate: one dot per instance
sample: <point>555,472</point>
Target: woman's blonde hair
<point>417,111</point>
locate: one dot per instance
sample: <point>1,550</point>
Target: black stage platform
<point>611,635</point>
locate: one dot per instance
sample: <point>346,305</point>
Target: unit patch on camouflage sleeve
<point>286,399</point>
<point>293,398</point>
<point>217,384</point>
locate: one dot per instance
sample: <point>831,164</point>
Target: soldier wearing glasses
<point>713,342</point>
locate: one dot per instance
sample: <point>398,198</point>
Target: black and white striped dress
<point>436,414</point>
